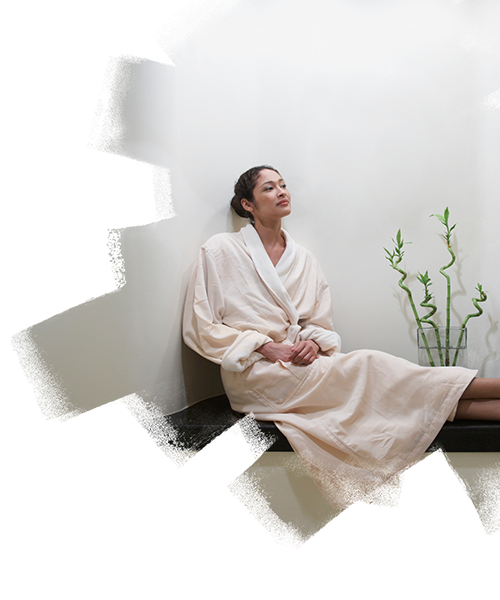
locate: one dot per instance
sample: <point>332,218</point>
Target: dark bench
<point>199,424</point>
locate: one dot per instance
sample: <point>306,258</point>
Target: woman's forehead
<point>268,176</point>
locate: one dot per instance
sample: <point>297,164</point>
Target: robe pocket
<point>300,372</point>
<point>276,382</point>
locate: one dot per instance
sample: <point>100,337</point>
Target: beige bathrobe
<point>356,419</point>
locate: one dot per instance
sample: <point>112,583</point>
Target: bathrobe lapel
<point>273,277</point>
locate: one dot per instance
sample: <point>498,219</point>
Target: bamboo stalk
<point>395,257</point>
<point>475,301</point>
<point>447,237</point>
<point>425,280</point>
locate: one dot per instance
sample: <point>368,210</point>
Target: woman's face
<point>271,198</point>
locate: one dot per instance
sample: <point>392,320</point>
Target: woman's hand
<point>304,353</point>
<point>301,353</point>
<point>274,352</point>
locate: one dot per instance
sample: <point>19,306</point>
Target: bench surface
<point>200,423</point>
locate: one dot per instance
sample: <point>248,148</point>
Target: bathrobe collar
<point>273,277</point>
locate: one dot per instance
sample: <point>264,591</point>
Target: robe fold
<point>355,419</point>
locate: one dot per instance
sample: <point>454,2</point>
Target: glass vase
<point>441,348</point>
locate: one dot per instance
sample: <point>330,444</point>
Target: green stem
<point>448,306</point>
<point>395,257</point>
<point>425,280</point>
<point>447,236</point>
<point>475,301</point>
<point>415,313</point>
<point>436,331</point>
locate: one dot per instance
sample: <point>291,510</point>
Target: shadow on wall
<point>201,377</point>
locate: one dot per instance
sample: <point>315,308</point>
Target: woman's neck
<point>272,239</point>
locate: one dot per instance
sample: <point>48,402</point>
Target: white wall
<point>377,114</point>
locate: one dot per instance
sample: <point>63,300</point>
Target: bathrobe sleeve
<point>203,327</point>
<point>318,327</point>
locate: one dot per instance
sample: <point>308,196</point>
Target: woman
<point>259,305</point>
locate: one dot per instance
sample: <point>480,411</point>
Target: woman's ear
<point>247,205</point>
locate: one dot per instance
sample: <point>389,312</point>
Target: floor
<point>279,492</point>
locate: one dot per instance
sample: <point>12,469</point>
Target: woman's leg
<point>481,388</point>
<point>480,400</point>
<point>482,410</point>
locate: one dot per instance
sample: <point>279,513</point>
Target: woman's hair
<point>243,189</point>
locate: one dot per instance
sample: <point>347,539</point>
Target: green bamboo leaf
<point>440,217</point>
<point>482,293</point>
<point>424,278</point>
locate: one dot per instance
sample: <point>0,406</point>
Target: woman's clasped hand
<point>301,353</point>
